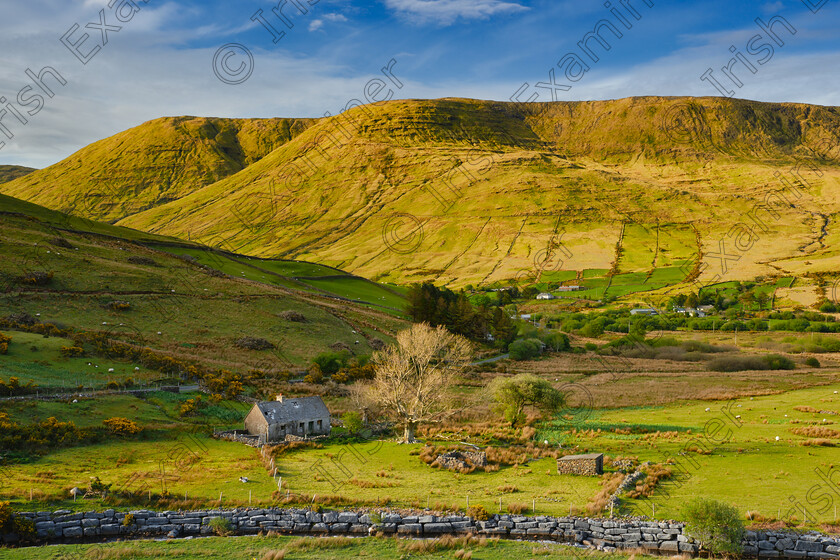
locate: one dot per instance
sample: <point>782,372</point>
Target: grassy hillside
<point>11,172</point>
<point>156,162</point>
<point>99,277</point>
<point>472,192</point>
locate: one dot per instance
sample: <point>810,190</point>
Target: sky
<point>108,65</point>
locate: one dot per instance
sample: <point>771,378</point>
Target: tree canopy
<point>413,376</point>
<point>513,394</point>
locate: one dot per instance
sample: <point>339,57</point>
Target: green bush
<point>718,527</point>
<point>352,422</point>
<point>812,362</point>
<point>5,518</point>
<point>24,528</point>
<point>221,526</point>
<point>556,342</point>
<point>742,363</point>
<point>331,362</point>
<point>525,349</point>
<point>828,307</point>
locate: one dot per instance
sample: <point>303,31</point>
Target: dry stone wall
<point>604,534</point>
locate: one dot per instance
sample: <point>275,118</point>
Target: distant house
<point>591,464</point>
<point>569,288</point>
<point>690,311</point>
<point>644,311</point>
<point>546,296</point>
<point>302,417</point>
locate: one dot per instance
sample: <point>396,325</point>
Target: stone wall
<point>586,467</point>
<point>653,537</point>
<point>240,436</point>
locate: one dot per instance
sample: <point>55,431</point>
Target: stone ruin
<point>591,464</point>
<point>461,460</point>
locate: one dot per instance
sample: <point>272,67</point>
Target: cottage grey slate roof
<point>293,409</point>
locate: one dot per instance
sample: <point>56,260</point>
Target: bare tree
<point>413,377</point>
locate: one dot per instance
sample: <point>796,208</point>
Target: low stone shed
<point>591,464</point>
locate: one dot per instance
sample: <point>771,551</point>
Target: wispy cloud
<point>317,24</point>
<point>445,12</point>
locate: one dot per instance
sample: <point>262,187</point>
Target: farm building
<point>302,417</point>
<point>591,464</point>
<point>570,288</point>
<point>546,296</point>
<point>644,311</point>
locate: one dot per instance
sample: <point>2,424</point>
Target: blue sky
<point>160,62</point>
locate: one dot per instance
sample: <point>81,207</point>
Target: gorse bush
<point>72,351</point>
<point>122,426</point>
<point>718,527</point>
<point>478,512</point>
<point>48,434</point>
<point>221,526</point>
<point>13,386</point>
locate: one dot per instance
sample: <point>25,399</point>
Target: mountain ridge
<point>486,184</point>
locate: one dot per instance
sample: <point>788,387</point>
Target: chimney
<point>280,397</point>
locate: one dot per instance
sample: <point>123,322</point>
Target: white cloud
<point>335,17</point>
<point>445,12</point>
<point>317,24</point>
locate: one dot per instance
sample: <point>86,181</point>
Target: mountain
<point>11,172</point>
<point>154,163</point>
<point>473,192</point>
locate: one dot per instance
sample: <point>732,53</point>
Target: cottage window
<point>301,426</point>
<point>320,425</point>
<point>311,425</point>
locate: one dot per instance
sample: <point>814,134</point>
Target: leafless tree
<point>413,376</point>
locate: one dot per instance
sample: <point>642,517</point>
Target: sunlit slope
<point>156,162</point>
<point>466,191</point>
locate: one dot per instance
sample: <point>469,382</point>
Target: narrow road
<point>488,360</point>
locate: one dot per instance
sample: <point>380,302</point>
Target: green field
<point>340,548</point>
<point>119,286</point>
<point>37,359</point>
<point>750,469</point>
<point>380,470</point>
<point>299,275</point>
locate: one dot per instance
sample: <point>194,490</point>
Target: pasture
<point>335,548</point>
